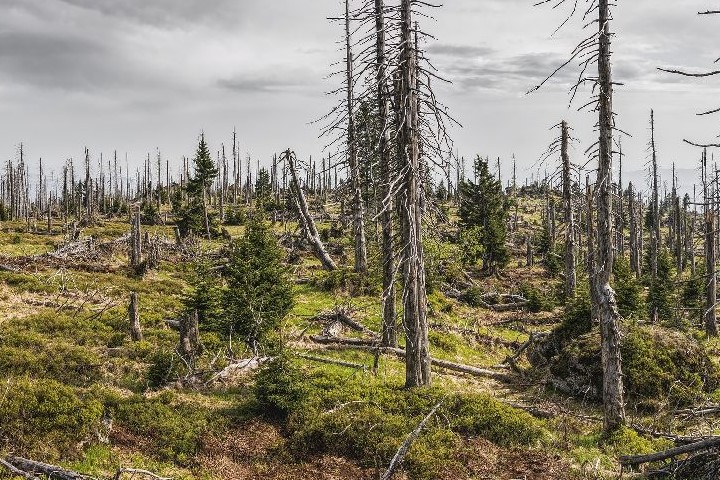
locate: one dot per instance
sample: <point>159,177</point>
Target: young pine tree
<point>259,294</point>
<point>198,189</point>
<point>661,297</point>
<point>628,291</point>
<point>483,214</point>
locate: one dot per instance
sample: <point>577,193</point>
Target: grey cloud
<point>518,73</point>
<point>462,51</point>
<point>266,82</point>
<point>164,13</point>
<point>55,60</point>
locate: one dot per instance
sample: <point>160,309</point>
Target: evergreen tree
<point>198,189</point>
<point>259,294</point>
<point>661,296</point>
<point>628,291</point>
<point>483,216</point>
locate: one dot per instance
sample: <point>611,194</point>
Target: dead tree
<point>189,347</point>
<point>135,241</point>
<point>134,316</point>
<point>596,50</point>
<point>655,215</point>
<point>417,358</point>
<point>635,232</point>
<point>614,407</point>
<point>306,219</point>
<point>389,324</point>
<point>711,327</point>
<point>570,275</point>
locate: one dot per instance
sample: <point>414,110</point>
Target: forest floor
<point>65,349</point>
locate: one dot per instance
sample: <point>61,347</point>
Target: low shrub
<point>173,427</point>
<point>45,418</point>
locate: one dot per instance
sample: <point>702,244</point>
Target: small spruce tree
<point>483,216</point>
<point>198,189</point>
<point>628,290</point>
<point>259,294</point>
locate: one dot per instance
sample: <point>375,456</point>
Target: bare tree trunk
<point>614,407</point>
<point>305,217</point>
<point>655,234</point>
<point>135,241</point>
<point>355,181</point>
<point>189,347</point>
<point>417,359</point>
<point>389,324</point>
<point>570,274</point>
<point>134,315</point>
<point>711,327</point>
<point>634,244</point>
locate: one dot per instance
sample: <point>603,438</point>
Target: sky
<point>141,75</point>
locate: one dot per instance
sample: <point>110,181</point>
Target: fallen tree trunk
<point>402,451</point>
<point>16,471</point>
<point>673,452</point>
<point>32,468</point>
<point>359,344</point>
<point>332,361</point>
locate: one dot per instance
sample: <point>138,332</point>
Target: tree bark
<point>134,316</point>
<point>614,408</point>
<point>189,346</point>
<point>389,324</point>
<point>355,181</point>
<point>711,327</point>
<point>305,219</point>
<point>417,358</point>
<point>570,274</point>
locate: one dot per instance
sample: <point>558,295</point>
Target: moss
<point>362,418</point>
<point>660,366</point>
<point>173,427</point>
<point>46,418</point>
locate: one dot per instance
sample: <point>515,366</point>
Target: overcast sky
<point>136,75</point>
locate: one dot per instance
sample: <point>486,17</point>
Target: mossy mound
<point>660,366</point>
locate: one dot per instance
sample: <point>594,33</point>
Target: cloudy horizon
<point>136,76</point>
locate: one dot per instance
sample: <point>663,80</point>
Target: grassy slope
<point>74,325</point>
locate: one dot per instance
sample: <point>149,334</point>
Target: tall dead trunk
<point>305,218</point>
<point>417,358</point>
<point>634,232</point>
<point>134,316</point>
<point>614,407</point>
<point>655,234</point>
<point>711,327</point>
<point>570,274</point>
<point>355,180</point>
<point>389,324</point>
<point>135,241</point>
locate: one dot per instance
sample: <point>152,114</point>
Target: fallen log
<point>32,468</point>
<point>328,340</point>
<point>138,471</point>
<point>402,451</point>
<point>332,361</point>
<point>16,471</point>
<point>628,460</point>
<point>360,344</point>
